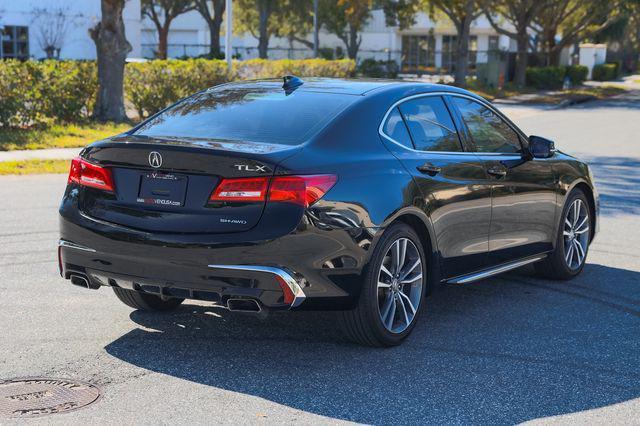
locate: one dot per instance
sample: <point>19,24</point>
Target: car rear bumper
<point>319,268</point>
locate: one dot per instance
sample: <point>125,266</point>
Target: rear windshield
<point>253,114</point>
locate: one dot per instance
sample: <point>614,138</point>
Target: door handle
<point>429,169</point>
<point>497,171</point>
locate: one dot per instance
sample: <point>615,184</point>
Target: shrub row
<point>378,69</point>
<point>38,93</point>
<point>553,77</point>
<point>605,72</point>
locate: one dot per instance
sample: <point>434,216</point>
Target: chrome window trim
<point>296,289</point>
<point>69,244</point>
<point>461,95</point>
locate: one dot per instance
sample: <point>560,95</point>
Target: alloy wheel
<point>400,285</point>
<point>576,234</point>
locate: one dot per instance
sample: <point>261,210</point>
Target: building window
<point>15,42</point>
<point>450,52</point>
<point>418,53</point>
<point>494,43</point>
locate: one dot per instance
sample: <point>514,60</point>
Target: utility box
<point>493,72</point>
<point>592,55</point>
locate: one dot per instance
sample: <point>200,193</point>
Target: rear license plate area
<point>162,189</point>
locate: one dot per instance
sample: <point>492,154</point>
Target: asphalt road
<point>505,350</point>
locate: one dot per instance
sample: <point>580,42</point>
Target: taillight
<point>300,190</point>
<point>243,189</point>
<point>84,173</point>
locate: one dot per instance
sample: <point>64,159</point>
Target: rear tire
<point>572,240</point>
<point>393,290</point>
<point>144,301</point>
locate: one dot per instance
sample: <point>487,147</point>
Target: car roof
<point>349,86</point>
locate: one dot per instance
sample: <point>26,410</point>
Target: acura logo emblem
<point>155,159</point>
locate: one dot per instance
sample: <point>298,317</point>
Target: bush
<point>152,86</point>
<point>577,74</point>
<point>265,68</point>
<point>35,93</point>
<point>378,69</point>
<point>604,72</point>
<point>545,77</point>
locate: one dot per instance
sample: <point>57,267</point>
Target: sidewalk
<point>39,154</point>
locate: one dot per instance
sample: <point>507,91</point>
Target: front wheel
<point>572,244</point>
<point>393,290</point>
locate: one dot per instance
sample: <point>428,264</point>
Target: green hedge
<point>577,74</point>
<point>545,77</point>
<point>553,77</point>
<point>37,93</point>
<point>604,72</point>
<point>378,69</point>
<point>151,86</point>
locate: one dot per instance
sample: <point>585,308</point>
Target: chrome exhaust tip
<point>82,281</point>
<point>244,305</point>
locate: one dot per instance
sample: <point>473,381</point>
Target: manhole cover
<point>34,397</point>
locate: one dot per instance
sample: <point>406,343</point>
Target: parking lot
<point>508,349</point>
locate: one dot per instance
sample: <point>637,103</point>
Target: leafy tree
<point>53,23</point>
<point>518,14</point>
<point>461,13</point>
<point>112,48</point>
<point>561,23</point>
<point>213,17</point>
<point>296,21</point>
<point>162,13</point>
<point>254,16</point>
<point>346,19</point>
<point>292,19</point>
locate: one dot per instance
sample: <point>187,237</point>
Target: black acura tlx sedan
<point>323,194</point>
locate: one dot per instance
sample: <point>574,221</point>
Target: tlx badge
<point>248,168</point>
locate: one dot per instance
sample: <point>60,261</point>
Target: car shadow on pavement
<point>504,350</point>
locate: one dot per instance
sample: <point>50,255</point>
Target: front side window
<point>430,124</point>
<point>249,114</point>
<point>488,131</point>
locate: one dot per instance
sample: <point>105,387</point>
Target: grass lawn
<point>34,167</point>
<point>58,136</point>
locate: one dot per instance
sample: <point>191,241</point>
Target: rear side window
<point>395,128</point>
<point>253,114</point>
<point>430,124</point>
<point>489,132</point>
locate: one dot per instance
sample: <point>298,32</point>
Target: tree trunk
<point>354,45</point>
<point>263,29</point>
<point>462,59</point>
<point>214,27</point>
<point>163,41</point>
<point>112,48</point>
<point>521,58</point>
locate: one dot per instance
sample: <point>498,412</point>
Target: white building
<point>425,47</point>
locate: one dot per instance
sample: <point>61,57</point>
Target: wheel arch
<point>589,193</point>
<point>421,224</point>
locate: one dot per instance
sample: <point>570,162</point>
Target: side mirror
<point>541,147</point>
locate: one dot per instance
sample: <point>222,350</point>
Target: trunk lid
<point>164,185</point>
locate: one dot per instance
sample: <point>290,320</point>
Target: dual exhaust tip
<point>235,305</point>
